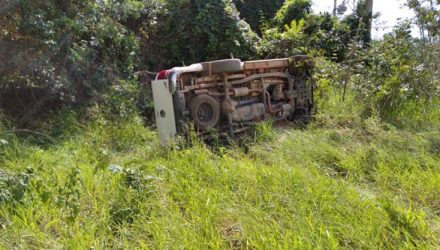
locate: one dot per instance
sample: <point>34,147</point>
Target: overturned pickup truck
<point>229,96</point>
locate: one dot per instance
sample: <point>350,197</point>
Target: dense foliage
<point>258,12</point>
<point>81,53</point>
<point>75,52</point>
<point>199,30</point>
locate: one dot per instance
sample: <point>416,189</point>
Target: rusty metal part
<point>258,76</point>
<point>287,110</point>
<point>266,64</point>
<point>269,104</point>
<point>267,76</point>
<point>236,76</point>
<point>228,106</point>
<point>249,112</point>
<point>238,92</point>
<point>278,92</point>
<point>227,85</point>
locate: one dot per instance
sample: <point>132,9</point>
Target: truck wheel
<point>205,111</point>
<point>221,66</point>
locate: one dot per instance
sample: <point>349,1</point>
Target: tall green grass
<point>111,185</point>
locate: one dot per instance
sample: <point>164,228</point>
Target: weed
<point>69,195</point>
<point>264,131</point>
<point>13,187</point>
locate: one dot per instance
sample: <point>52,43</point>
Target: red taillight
<point>162,75</point>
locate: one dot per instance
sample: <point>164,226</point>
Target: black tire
<point>205,111</point>
<point>221,66</point>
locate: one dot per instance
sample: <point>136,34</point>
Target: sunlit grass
<point>113,186</point>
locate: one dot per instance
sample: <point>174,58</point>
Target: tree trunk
<point>369,10</point>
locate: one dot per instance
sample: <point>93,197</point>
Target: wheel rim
<point>205,113</point>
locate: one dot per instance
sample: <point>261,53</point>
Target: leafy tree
<point>72,50</point>
<point>401,80</point>
<point>195,30</point>
<point>427,18</point>
<point>258,12</point>
<point>359,23</point>
<point>293,10</point>
<point>319,34</point>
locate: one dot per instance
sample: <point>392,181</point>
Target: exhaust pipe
<point>174,74</point>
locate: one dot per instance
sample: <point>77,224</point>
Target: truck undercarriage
<point>229,96</point>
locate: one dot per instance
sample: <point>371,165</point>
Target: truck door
<point>164,111</point>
